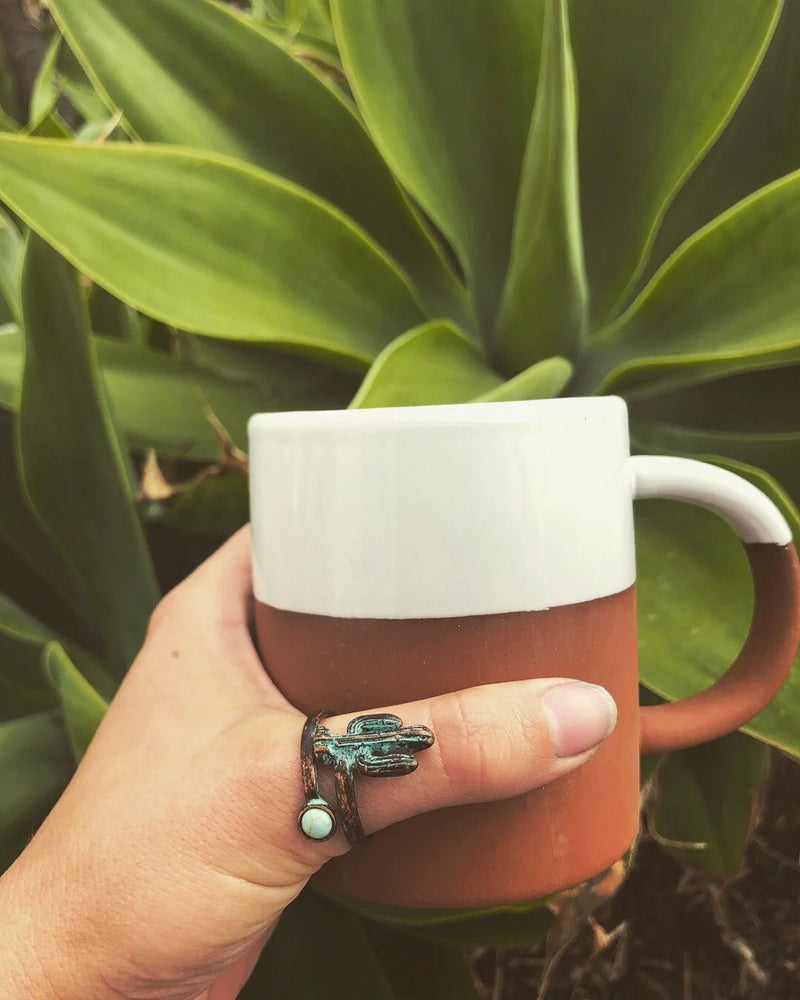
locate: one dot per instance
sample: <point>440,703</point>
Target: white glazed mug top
<point>441,511</point>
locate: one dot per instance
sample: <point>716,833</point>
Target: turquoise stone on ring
<point>317,821</point>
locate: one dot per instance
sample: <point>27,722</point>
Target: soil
<point>673,934</point>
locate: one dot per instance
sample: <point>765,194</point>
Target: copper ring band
<point>378,746</point>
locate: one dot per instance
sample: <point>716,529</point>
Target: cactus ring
<point>379,746</point>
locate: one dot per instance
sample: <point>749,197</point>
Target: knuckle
<point>212,617</point>
<point>157,616</point>
<point>170,607</point>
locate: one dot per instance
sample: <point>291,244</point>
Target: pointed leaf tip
<point>657,83</point>
<point>446,90</point>
<point>82,706</point>
<point>543,308</point>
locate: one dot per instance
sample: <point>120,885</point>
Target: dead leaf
<point>574,909</point>
<point>154,486</point>
<point>232,456</point>
<point>108,128</point>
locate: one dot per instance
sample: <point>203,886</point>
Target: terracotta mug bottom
<point>496,853</point>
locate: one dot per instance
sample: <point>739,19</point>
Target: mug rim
<point>526,411</point>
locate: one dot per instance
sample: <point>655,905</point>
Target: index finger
<point>210,611</point>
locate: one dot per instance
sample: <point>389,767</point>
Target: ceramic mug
<point>402,553</point>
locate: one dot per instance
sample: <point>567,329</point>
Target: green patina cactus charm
<point>378,746</point>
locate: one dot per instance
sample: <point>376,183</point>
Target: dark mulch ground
<point>675,935</point>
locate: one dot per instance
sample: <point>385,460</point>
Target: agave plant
<point>368,204</point>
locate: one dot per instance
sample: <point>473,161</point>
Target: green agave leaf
<point>423,970</point>
<point>75,84</point>
<point>775,454</point>
<point>433,363</point>
<point>18,624</point>
<point>447,90</point>
<point>544,302</point>
<point>112,318</point>
<point>7,123</point>
<point>45,87</point>
<point>215,506</point>
<point>72,462</point>
<point>52,126</point>
<point>311,18</point>
<point>10,104</point>
<point>98,132</point>
<point>695,601</point>
<point>89,107</point>
<point>319,950</point>
<point>522,924</point>
<point>82,706</point>
<point>436,363</point>
<point>322,55</point>
<point>159,401</point>
<point>495,930</point>
<point>706,802</point>
<point>22,687</point>
<point>237,380</point>
<point>765,482</point>
<point>199,74</point>
<point>657,83</point>
<point>35,766</point>
<point>186,528</point>
<point>543,380</point>
<point>22,533</point>
<point>240,254</point>
<point>10,256</point>
<point>749,424</point>
<point>726,301</point>
<point>164,404</point>
<point>316,17</point>
<point>760,402</point>
<point>760,144</point>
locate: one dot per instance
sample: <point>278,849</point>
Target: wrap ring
<point>378,746</point>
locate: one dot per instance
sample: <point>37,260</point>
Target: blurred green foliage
<point>315,205</point>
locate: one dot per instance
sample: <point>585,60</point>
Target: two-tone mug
<point>405,552</point>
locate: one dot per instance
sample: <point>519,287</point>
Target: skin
<point>166,864</point>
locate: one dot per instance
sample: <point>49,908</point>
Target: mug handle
<point>766,657</point>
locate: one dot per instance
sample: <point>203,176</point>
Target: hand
<point>167,862</point>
